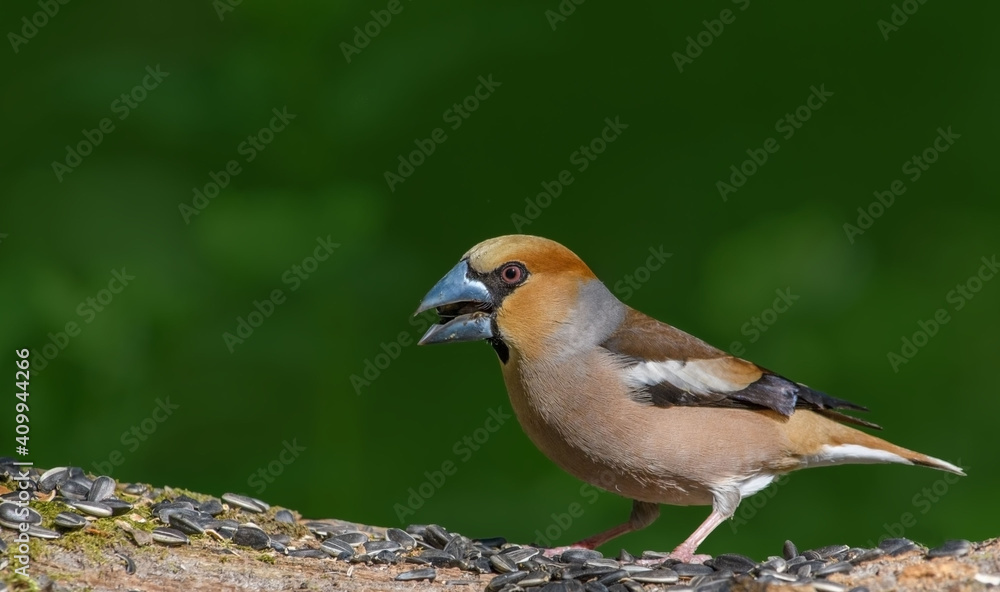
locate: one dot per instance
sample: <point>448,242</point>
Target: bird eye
<point>512,273</point>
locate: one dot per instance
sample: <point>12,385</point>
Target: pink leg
<point>685,551</point>
<point>643,514</point>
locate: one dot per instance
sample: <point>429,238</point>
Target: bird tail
<point>823,442</point>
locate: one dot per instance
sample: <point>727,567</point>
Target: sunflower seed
<point>129,564</point>
<point>460,547</point>
<point>436,536</point>
<point>185,524</point>
<point>657,576</point>
<point>135,489</point>
<point>281,515</point>
<point>42,533</point>
<point>497,583</point>
<point>353,539</point>
<point>778,576</point>
<point>245,503</point>
<point>774,563</point>
<point>603,562</point>
<point>689,570</point>
<point>308,553</point>
<point>102,488</point>
<point>212,507</point>
<point>337,548</point>
<point>585,573</point>
<point>838,567</point>
<point>732,561</point>
<point>523,554</point>
<point>170,536</point>
<point>789,550</point>
<point>53,478</point>
<point>595,587</point>
<point>832,551</point>
<point>70,520</point>
<point>613,577</point>
<point>632,568</point>
<point>867,555</point>
<point>417,529</point>
<point>118,507</point>
<point>535,578</point>
<point>13,515</point>
<point>92,508</point>
<point>426,573</point>
<point>165,509</point>
<point>278,546</point>
<point>439,558</point>
<point>955,548</point>
<point>579,555</point>
<point>401,537</point>
<point>372,547</point>
<point>890,545</point>
<point>491,543</point>
<point>251,536</point>
<point>502,563</point>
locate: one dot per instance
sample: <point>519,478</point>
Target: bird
<point>633,405</point>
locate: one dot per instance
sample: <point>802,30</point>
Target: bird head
<point>511,290</point>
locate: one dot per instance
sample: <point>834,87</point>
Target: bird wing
<point>666,366</point>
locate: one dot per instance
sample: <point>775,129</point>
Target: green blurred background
<point>655,186</point>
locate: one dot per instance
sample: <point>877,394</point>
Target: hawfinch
<point>633,405</point>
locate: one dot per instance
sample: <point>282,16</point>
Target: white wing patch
<point>852,454</point>
<point>697,377</point>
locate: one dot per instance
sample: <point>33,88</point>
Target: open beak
<point>464,305</point>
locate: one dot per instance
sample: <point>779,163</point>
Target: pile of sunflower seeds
<point>512,567</point>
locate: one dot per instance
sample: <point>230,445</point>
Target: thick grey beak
<point>463,305</point>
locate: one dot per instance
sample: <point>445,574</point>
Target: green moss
<point>266,558</point>
<point>19,583</point>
